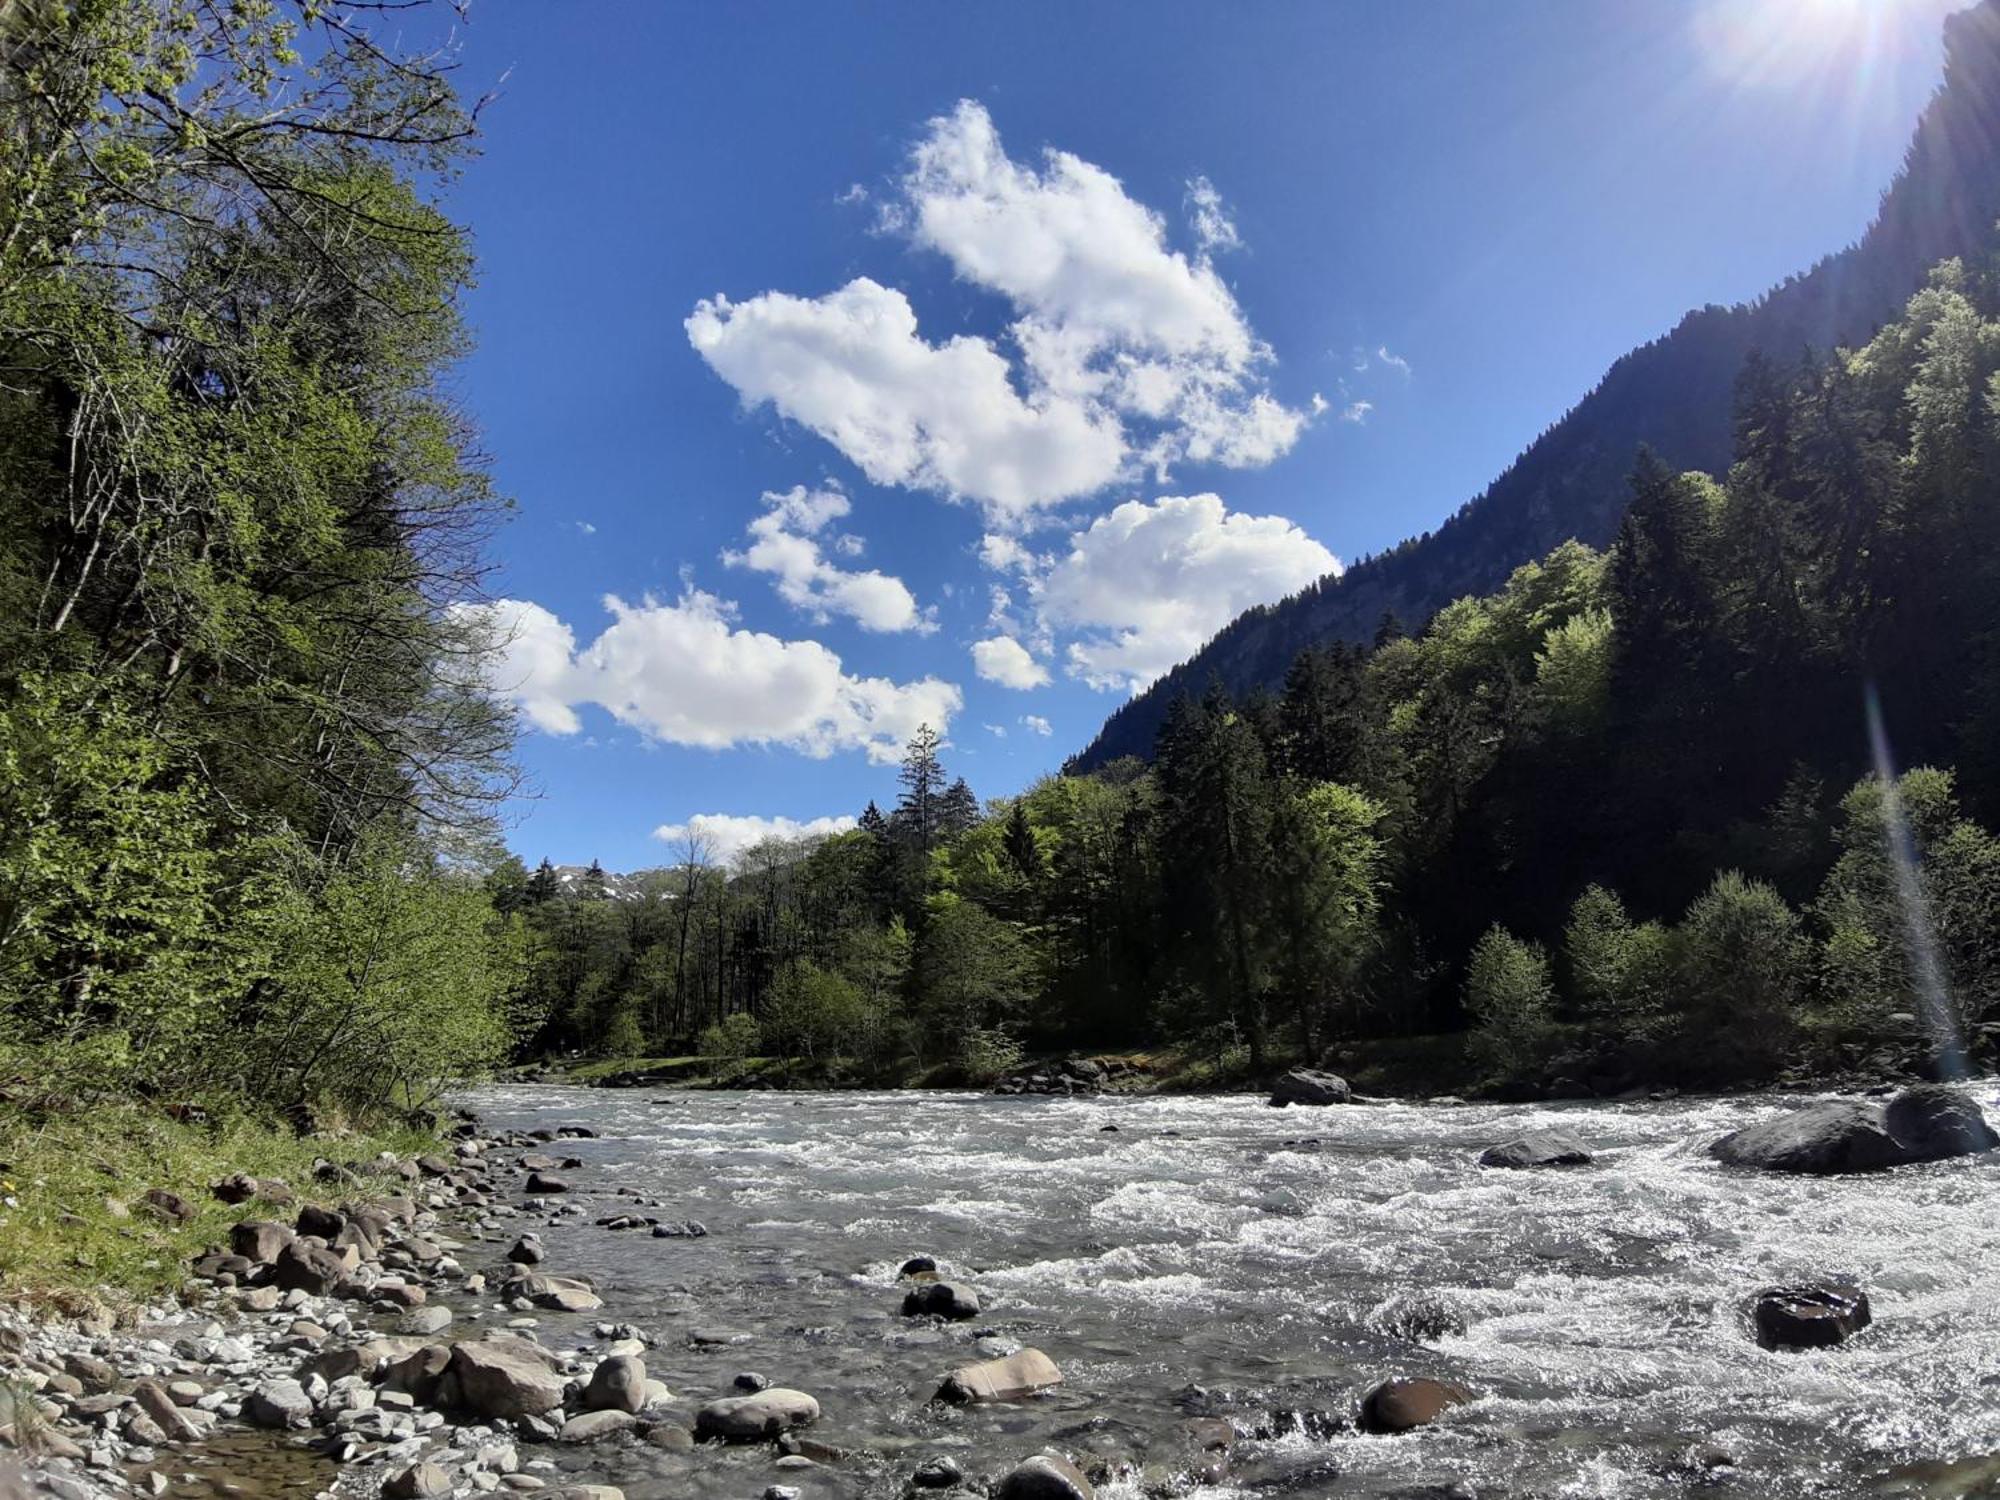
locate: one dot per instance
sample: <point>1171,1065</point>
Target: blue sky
<point>804,329</point>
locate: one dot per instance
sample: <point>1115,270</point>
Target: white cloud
<point>1149,583</point>
<point>998,731</point>
<point>585,528</point>
<point>1213,228</point>
<point>1004,660</point>
<point>1356,412</point>
<point>1036,724</point>
<point>685,674</point>
<point>1395,362</point>
<point>728,835</point>
<point>943,417</point>
<point>1130,352</point>
<point>784,546</point>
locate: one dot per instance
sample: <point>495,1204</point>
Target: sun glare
<point>1785,43</point>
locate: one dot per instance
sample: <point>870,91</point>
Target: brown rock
<point>1402,1405</point>
<point>1009,1379</point>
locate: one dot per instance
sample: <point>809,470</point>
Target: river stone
<point>941,1299</point>
<point>919,1265</point>
<point>417,1374</point>
<point>1934,1121</point>
<point>669,1437</point>
<point>939,1473</point>
<point>424,1481</point>
<point>527,1251</point>
<point>617,1384</point>
<point>324,1223</point>
<point>509,1377</point>
<point>259,1240</point>
<point>763,1415</point>
<point>158,1403</point>
<point>1007,1379</point>
<point>279,1404</point>
<point>592,1425</point>
<point>301,1267</point>
<point>1538,1148</point>
<point>558,1293</point>
<point>541,1183</point>
<point>1402,1405</point>
<point>422,1321</point>
<point>1809,1317</point>
<point>1310,1086</point>
<point>1046,1476</point>
<point>1926,1123</point>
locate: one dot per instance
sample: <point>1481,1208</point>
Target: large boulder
<point>1009,1379</point>
<point>617,1384</point>
<point>1809,1317</point>
<point>304,1267</point>
<point>1538,1148</point>
<point>1927,1123</point>
<point>1403,1405</point>
<point>745,1419</point>
<point>510,1378</point>
<point>1310,1086</point>
<point>1046,1476</point>
<point>1933,1121</point>
<point>280,1404</point>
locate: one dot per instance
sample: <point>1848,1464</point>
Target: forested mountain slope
<point>1673,395</point>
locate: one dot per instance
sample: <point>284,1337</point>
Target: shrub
<point>1507,991</point>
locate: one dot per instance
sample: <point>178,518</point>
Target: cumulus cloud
<point>1147,584</point>
<point>1004,660</point>
<point>1036,724</point>
<point>728,835</point>
<point>944,417</point>
<point>785,545</point>
<point>684,673</point>
<point>1130,352</point>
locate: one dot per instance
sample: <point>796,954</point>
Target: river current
<point>1216,1256</point>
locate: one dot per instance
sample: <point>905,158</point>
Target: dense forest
<point>1619,816</point>
<point>246,770</point>
<point>1622,816</point>
<point>1673,394</point>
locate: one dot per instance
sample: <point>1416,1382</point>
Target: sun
<point>1784,43</point>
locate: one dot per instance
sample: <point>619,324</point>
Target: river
<point>1217,1255</point>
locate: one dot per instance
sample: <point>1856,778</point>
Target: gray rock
<point>1310,1086</point>
<point>280,1404</point>
<point>259,1240</point>
<point>1538,1148</point>
<point>1008,1379</point>
<point>593,1425</point>
<point>424,1481</point>
<point>1927,1123</point>
<point>617,1384</point>
<point>1809,1317</point>
<point>1047,1476</point>
<point>941,1299</point>
<point>300,1267</point>
<point>765,1414</point>
<point>1934,1121</point>
<point>505,1378</point>
<point>420,1321</point>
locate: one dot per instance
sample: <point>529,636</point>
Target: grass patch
<point>76,1232</point>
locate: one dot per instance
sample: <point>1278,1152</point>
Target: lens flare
<point>1919,936</point>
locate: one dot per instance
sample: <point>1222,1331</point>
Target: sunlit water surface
<point>1204,1243</point>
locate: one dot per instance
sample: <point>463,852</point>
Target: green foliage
<point>1509,995</point>
<point>1742,975</point>
<point>737,1035</point>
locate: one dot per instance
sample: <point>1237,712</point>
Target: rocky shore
<point>397,1329</point>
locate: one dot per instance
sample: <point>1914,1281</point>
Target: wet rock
<point>527,1251</point>
<point>302,1267</point>
<point>280,1404</point>
<point>684,1229</point>
<point>592,1426</point>
<point>669,1437</point>
<point>941,1299</point>
<point>1310,1086</point>
<point>1926,1123</point>
<point>1403,1405</point>
<point>1539,1148</point>
<point>1008,1379</point>
<point>1047,1476</point>
<point>424,1481</point>
<point>1418,1318</point>
<point>418,1373</point>
<point>1809,1317</point>
<point>617,1384</point>
<point>919,1265</point>
<point>557,1293</point>
<point>763,1415</point>
<point>541,1184</point>
<point>937,1474</point>
<point>751,1381</point>
<point>1934,1121</point>
<point>508,1377</point>
<point>158,1403</point>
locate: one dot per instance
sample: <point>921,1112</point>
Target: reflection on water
<point>1203,1244</point>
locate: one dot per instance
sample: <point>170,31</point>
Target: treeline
<point>245,764</point>
<point>1621,816</point>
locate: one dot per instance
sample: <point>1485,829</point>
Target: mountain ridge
<point>1673,394</point>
